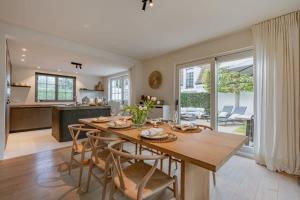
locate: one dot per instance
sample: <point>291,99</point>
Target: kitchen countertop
<point>81,107</point>
<point>37,105</point>
<point>57,106</point>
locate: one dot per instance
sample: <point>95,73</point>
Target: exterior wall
<point>27,75</point>
<point>166,64</point>
<point>228,99</point>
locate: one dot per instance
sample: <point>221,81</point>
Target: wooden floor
<point>44,176</point>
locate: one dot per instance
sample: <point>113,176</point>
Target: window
<point>189,81</point>
<point>119,89</point>
<point>51,87</point>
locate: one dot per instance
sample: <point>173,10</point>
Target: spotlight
<point>151,3</point>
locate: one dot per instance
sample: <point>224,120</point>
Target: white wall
<point>166,64</point>
<point>27,75</point>
<point>2,91</point>
<point>228,99</point>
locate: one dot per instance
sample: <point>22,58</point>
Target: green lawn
<point>241,130</point>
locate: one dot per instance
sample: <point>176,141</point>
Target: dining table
<point>200,153</point>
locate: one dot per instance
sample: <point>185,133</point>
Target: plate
<point>101,119</point>
<point>157,136</point>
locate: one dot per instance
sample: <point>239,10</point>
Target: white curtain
<point>277,98</point>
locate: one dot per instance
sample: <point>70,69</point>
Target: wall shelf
<point>90,90</point>
<point>22,86</point>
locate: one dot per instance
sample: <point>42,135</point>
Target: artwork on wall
<point>155,79</point>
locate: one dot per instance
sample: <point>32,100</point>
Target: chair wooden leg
<point>71,161</point>
<point>175,187</point>
<point>161,164</point>
<point>170,166</point>
<point>214,178</point>
<point>81,168</point>
<point>112,191</point>
<point>106,174</point>
<point>89,175</point>
<point>140,149</point>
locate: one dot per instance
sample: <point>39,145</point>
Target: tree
<point>230,82</point>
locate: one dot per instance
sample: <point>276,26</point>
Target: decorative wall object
<point>155,79</point>
<point>99,86</point>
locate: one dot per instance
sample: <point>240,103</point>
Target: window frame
<point>189,80</point>
<point>56,76</point>
<point>122,81</point>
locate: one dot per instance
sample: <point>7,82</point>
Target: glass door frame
<point>213,103</point>
<point>213,61</point>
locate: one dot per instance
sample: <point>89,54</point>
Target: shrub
<point>196,100</point>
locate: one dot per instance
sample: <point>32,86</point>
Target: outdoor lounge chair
<point>226,112</point>
<point>234,116</point>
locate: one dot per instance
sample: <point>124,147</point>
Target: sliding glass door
<point>235,94</point>
<point>218,92</point>
<point>195,103</point>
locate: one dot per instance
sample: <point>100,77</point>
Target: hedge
<point>196,100</point>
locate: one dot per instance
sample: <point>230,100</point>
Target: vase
<point>139,122</point>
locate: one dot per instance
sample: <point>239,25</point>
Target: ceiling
<point>40,56</point>
<point>121,27</point>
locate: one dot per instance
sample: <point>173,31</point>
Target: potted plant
<point>139,113</point>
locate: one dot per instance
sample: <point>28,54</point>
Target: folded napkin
<point>102,118</point>
<point>185,127</point>
<point>117,123</point>
<point>152,132</point>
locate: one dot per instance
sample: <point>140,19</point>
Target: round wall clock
<point>155,79</point>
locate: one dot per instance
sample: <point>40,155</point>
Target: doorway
<point>218,92</point>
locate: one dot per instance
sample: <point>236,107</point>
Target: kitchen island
<point>62,116</point>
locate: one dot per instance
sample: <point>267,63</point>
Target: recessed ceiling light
<point>23,55</point>
<point>38,67</point>
<point>76,72</point>
<point>23,60</point>
<point>59,70</point>
<point>24,49</point>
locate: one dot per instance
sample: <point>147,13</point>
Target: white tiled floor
<point>25,143</point>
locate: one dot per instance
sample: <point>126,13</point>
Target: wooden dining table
<point>199,153</point>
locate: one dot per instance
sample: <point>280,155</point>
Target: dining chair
<point>139,180</point>
<point>79,147</point>
<point>100,158</point>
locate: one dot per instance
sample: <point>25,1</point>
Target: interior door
<point>195,97</point>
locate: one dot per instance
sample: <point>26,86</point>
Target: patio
<point>238,128</point>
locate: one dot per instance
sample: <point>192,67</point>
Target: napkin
<point>152,132</point>
<point>102,118</point>
<point>185,127</point>
<point>118,123</point>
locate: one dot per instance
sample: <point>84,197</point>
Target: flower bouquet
<point>139,113</point>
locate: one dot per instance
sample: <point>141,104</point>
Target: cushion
<point>223,114</point>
